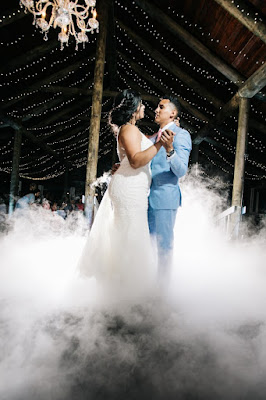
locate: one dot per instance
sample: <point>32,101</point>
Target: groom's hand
<point>167,140</point>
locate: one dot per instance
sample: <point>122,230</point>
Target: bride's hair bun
<point>125,104</point>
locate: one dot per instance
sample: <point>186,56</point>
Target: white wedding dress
<point>119,246</point>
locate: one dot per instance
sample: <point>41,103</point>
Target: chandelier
<point>65,14</point>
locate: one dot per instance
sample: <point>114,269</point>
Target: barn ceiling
<point>198,50</point>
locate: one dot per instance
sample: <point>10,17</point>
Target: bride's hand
<point>115,168</point>
<point>177,121</point>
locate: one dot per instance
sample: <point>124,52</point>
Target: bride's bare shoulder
<point>126,130</point>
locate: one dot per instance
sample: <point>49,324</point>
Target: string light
<point>214,163</point>
<point>149,27</point>
<point>141,82</point>
<point>206,34</point>
<point>65,143</point>
<point>248,160</point>
<point>14,13</point>
<point>151,61</point>
<point>12,43</point>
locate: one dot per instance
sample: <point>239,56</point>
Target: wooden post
<point>15,170</point>
<point>238,184</point>
<point>93,147</point>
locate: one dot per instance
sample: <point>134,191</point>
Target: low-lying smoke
<point>64,338</point>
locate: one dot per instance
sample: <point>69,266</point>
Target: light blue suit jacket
<point>165,191</point>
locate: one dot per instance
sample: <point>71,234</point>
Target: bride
<point>119,246</point>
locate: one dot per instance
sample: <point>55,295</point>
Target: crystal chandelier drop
<point>67,15</point>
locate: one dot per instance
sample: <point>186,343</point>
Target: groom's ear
<point>174,114</point>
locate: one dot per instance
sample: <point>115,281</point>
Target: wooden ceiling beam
<point>228,109</point>
<point>111,49</point>
<point>46,81</point>
<point>218,160</point>
<point>155,101</point>
<point>88,92</point>
<point>15,16</point>
<point>144,74</point>
<point>37,141</point>
<point>252,85</point>
<point>26,58</point>
<point>178,31</point>
<point>78,105</point>
<point>36,111</point>
<point>140,123</point>
<point>246,17</point>
<point>47,106</point>
<point>66,134</point>
<point>171,67</point>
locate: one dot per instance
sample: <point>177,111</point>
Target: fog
<point>65,337</point>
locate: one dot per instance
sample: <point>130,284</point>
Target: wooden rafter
<point>254,83</point>
<point>186,105</point>
<point>246,17</point>
<point>88,92</point>
<point>29,56</point>
<point>81,104</point>
<point>19,127</point>
<point>178,31</point>
<point>111,49</point>
<point>51,103</point>
<point>15,16</point>
<point>144,74</point>
<point>250,87</point>
<point>171,66</point>
<point>46,81</point>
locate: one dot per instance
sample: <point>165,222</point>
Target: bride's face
<point>140,111</point>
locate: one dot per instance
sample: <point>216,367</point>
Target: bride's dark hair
<point>125,104</point>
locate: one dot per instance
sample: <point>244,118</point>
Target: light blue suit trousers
<point>165,195</point>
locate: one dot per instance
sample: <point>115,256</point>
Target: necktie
<point>159,134</point>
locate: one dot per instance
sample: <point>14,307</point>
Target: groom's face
<point>165,112</point>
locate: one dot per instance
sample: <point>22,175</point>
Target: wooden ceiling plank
<point>191,41</point>
<point>252,85</point>
<point>246,18</point>
<point>171,66</point>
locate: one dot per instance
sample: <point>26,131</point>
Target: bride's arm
<point>130,140</point>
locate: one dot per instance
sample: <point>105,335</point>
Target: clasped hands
<point>167,139</point>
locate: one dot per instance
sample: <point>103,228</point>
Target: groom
<point>167,167</point>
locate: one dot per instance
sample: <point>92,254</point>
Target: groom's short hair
<point>174,102</point>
